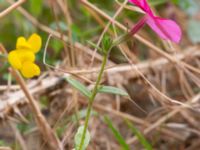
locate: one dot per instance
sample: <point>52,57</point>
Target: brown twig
<point>11,8</point>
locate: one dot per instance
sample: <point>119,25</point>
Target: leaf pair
<point>102,89</point>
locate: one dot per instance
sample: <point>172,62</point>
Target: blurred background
<point>153,110</point>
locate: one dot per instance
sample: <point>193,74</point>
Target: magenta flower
<point>165,28</point>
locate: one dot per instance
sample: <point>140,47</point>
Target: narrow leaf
<point>112,90</point>
<point>79,86</point>
<point>139,135</point>
<point>78,138</point>
<point>117,135</point>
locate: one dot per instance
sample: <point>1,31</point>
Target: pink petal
<point>143,5</point>
<point>166,29</point>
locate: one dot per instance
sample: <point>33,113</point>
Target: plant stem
<point>94,93</point>
<point>119,40</point>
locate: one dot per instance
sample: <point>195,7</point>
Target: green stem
<point>116,42</point>
<point>94,93</point>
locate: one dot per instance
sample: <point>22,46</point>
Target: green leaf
<point>117,135</point>
<point>79,86</point>
<point>78,138</point>
<point>139,135</point>
<point>112,90</point>
<point>193,31</point>
<point>36,7</point>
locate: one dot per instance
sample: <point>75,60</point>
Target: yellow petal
<point>26,55</point>
<point>14,60</point>
<point>36,42</point>
<point>30,70</point>
<point>22,43</point>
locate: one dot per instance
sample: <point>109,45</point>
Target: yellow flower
<point>23,57</point>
